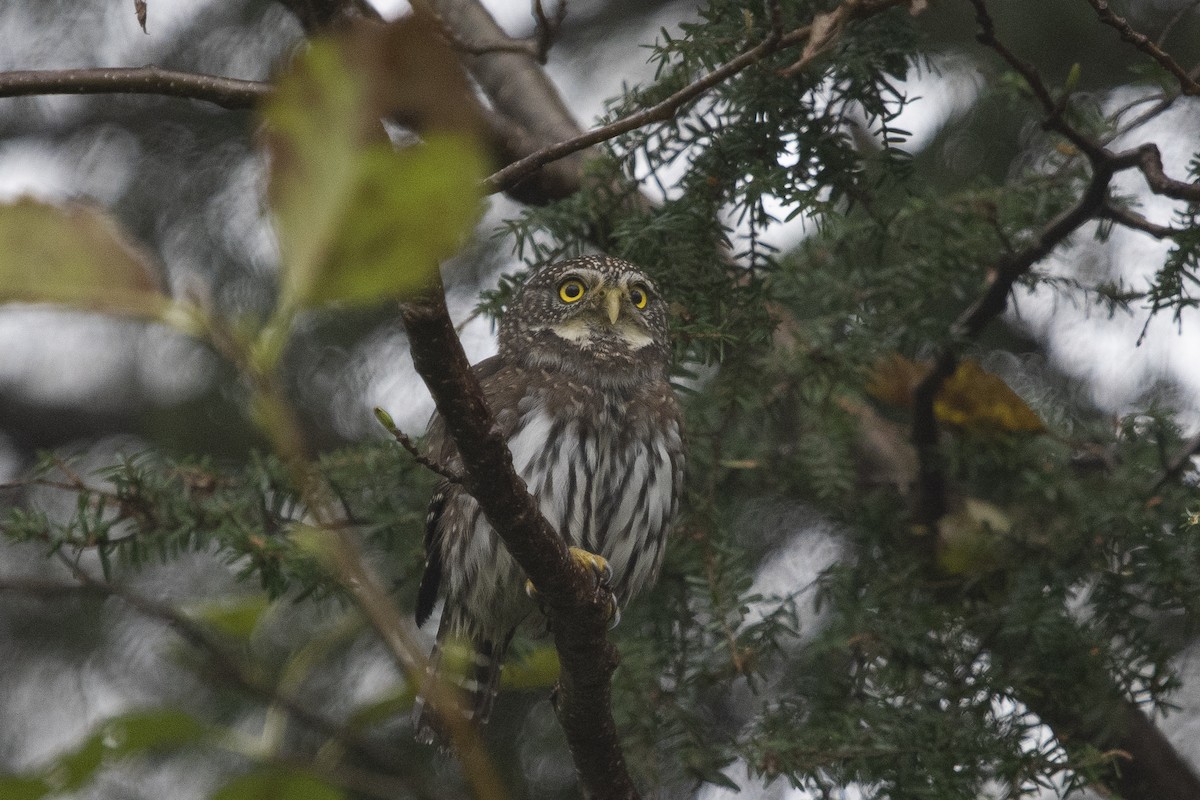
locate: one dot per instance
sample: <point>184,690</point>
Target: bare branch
<point>1131,219</point>
<point>230,93</point>
<point>1187,83</point>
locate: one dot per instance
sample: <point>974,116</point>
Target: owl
<point>579,389</point>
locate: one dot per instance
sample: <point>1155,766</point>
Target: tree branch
<point>1154,768</point>
<point>226,665</point>
<point>228,93</point>
<point>577,609</point>
<point>1187,84</point>
<point>666,109</point>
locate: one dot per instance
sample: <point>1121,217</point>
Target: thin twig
<point>1142,42</point>
<point>547,28</point>
<point>230,93</point>
<point>1131,219</point>
<point>418,455</point>
<point>1175,20</point>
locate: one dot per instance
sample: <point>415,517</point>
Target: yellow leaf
<point>978,400</point>
<point>970,398</point>
<point>968,536</point>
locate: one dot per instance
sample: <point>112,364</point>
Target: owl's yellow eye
<point>639,296</point>
<point>570,290</point>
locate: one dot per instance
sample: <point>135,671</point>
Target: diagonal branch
<point>1187,83</point>
<point>230,93</point>
<point>577,610</point>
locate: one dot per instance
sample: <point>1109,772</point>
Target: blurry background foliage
<point>800,635</point>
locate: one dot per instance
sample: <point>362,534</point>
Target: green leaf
<point>74,255</point>
<point>277,784</point>
<point>13,787</point>
<point>410,210</point>
<point>312,134</point>
<point>357,220</point>
<point>121,737</point>
<point>237,617</point>
<point>155,729</point>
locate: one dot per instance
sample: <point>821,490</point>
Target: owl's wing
<point>443,450</point>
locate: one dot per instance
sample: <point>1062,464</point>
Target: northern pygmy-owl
<point>580,392</point>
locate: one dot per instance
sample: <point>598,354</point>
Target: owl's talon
<point>597,564</point>
<point>614,614</point>
<point>603,572</point>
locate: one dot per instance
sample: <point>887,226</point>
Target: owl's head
<point>595,316</point>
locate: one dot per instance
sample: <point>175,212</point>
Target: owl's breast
<point>605,477</point>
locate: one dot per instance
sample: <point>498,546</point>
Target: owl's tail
<point>465,675</point>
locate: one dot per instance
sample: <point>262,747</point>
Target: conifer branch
<point>230,93</point>
<point>666,109</point>
<point>226,666</point>
<point>1154,768</point>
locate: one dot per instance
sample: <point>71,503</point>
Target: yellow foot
<point>603,572</point>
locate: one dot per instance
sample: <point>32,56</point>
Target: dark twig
<point>230,93</point>
<point>1131,219</point>
<point>547,27</point>
<point>578,611</point>
<point>1175,20</point>
<point>1187,84</point>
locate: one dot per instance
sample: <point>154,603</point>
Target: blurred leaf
<point>237,618</point>
<point>312,132</point>
<point>968,536</point>
<point>17,788</point>
<point>892,380</point>
<point>410,210</point>
<point>74,255</point>
<point>970,398</point>
<point>121,737</point>
<point>155,729</point>
<point>973,398</point>
<point>277,784</point>
<point>395,703</point>
<point>358,221</point>
<point>537,669</point>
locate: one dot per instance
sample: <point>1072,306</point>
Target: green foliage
<point>1062,580</point>
<point>148,508</point>
<point>277,784</point>
<point>140,733</point>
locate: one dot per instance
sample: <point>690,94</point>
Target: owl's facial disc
<point>603,316</point>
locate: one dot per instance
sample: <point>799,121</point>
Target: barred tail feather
<point>467,673</point>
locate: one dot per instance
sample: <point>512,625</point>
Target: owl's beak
<point>612,304</point>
